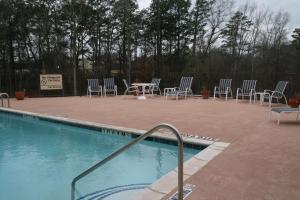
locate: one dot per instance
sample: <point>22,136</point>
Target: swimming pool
<point>39,158</point>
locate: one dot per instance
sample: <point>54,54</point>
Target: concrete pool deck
<point>262,162</point>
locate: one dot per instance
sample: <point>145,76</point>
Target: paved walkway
<point>262,162</point>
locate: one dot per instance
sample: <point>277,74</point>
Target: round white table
<point>143,86</point>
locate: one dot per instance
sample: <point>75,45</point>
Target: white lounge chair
<point>155,88</point>
<point>109,86</point>
<point>278,111</point>
<point>2,96</point>
<point>224,88</point>
<point>183,90</point>
<point>276,94</point>
<point>130,89</point>
<point>248,90</point>
<point>93,87</point>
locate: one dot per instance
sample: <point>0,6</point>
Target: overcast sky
<point>290,6</point>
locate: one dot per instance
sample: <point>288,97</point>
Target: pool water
<point>39,159</point>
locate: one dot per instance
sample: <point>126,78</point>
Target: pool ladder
<point>2,96</point>
<point>129,145</point>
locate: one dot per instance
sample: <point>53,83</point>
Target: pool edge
<point>167,183</point>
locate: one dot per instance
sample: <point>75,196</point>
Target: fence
<point>30,81</point>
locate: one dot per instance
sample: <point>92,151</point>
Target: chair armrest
<point>268,91</point>
<point>276,92</point>
<point>239,90</point>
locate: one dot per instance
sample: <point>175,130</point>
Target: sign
<point>51,82</point>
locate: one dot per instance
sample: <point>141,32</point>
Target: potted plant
<point>20,94</point>
<point>295,102</point>
<point>205,93</point>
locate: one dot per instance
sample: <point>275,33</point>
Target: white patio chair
<point>276,94</point>
<point>155,88</point>
<point>109,86</point>
<point>93,87</point>
<point>4,96</point>
<point>130,89</point>
<point>183,90</point>
<point>248,90</point>
<point>224,88</point>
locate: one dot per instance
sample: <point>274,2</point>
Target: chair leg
<point>214,94</point>
<point>297,116</point>
<point>278,120</point>
<point>237,97</point>
<point>285,100</point>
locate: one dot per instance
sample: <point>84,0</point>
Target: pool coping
<point>162,187</point>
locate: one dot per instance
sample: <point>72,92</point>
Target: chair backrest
<point>248,85</point>
<point>93,84</point>
<point>126,84</point>
<point>280,87</point>
<point>224,84</point>
<point>109,83</point>
<point>156,81</point>
<point>185,83</point>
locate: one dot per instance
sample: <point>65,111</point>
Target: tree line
<point>83,38</point>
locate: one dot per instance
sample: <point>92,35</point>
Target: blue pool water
<point>39,159</point>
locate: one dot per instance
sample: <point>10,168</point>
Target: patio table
<point>261,97</point>
<point>143,86</point>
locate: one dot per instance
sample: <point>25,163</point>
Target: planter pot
<point>19,95</point>
<point>205,94</point>
<point>294,103</point>
<point>136,93</point>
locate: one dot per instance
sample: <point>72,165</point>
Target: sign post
<point>51,82</point>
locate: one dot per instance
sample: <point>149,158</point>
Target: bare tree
<point>219,12</point>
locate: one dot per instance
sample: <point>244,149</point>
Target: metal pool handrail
<point>129,145</point>
<point>2,95</point>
